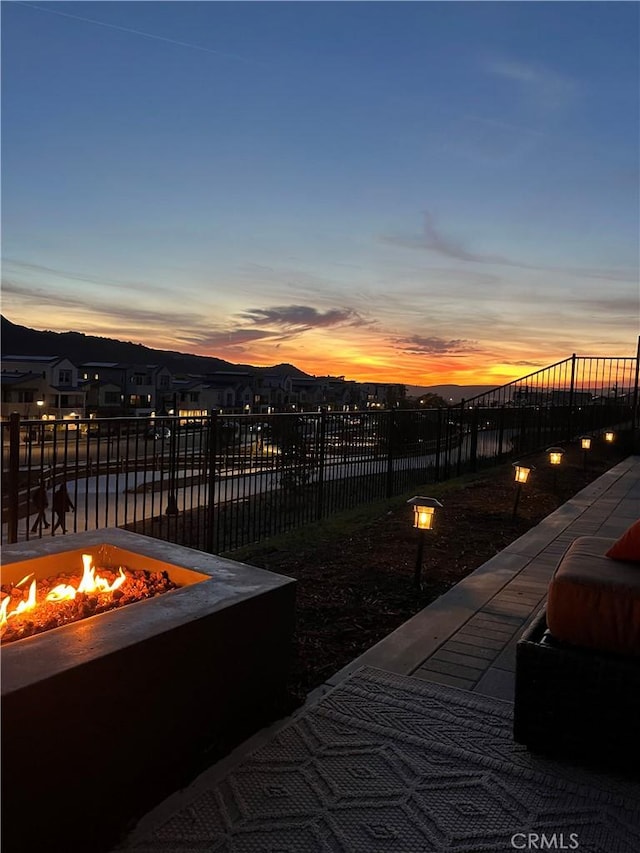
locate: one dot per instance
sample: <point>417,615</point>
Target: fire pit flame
<point>27,604</point>
<point>89,583</point>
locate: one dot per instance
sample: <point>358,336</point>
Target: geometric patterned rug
<point>390,764</point>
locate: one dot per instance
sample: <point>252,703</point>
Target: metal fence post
<point>571,398</point>
<point>211,477</point>
<point>473,448</point>
<point>321,444</point>
<point>460,439</point>
<point>448,442</point>
<point>500,431</point>
<point>438,440</point>
<point>13,477</point>
<point>390,448</point>
<point>523,446</point>
<point>635,414</point>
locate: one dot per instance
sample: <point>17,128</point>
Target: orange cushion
<point>627,547</point>
<point>594,602</point>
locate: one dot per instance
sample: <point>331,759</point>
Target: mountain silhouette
<point>81,348</point>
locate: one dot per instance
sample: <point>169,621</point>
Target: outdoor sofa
<point>578,663</point>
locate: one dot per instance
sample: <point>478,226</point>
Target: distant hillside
<point>451,393</point>
<point>20,340</point>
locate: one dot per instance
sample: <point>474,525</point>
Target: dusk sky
<point>417,192</point>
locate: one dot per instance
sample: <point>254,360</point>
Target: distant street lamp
<point>423,518</point>
<point>585,444</point>
<point>521,476</point>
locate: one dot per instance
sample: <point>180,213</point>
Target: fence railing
<point>223,481</point>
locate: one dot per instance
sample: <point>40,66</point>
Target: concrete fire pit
<point>103,717</point>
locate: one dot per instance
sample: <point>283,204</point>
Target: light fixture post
<point>521,475</point>
<point>417,571</point>
<point>517,500</point>
<point>423,518</point>
<point>585,444</point>
<point>555,459</point>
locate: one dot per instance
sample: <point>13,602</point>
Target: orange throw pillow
<point>628,545</point>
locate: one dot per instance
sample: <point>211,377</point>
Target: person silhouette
<point>61,505</point>
<point>40,503</point>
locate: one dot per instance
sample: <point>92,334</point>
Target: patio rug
<point>391,764</point>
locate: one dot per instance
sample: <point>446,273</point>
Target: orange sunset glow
<point>361,352</point>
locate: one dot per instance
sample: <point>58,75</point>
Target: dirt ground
<point>355,581</point>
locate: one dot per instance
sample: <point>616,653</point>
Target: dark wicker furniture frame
<point>576,702</point>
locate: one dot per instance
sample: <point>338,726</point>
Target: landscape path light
<point>585,444</point>
<point>521,476</point>
<point>423,517</point>
<point>609,437</point>
<point>555,460</point>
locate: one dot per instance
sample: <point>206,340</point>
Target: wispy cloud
<point>212,339</point>
<point>624,306</point>
<point>549,88</point>
<point>24,267</point>
<point>110,313</point>
<point>283,281</point>
<point>433,240</point>
<point>275,324</point>
<point>303,317</point>
<point>429,345</point>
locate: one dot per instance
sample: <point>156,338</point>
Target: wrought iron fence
<point>223,481</point>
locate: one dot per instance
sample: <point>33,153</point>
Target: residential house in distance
<point>53,387</point>
<point>104,399</point>
<point>341,394</point>
<point>23,392</point>
<point>231,391</point>
<point>50,388</point>
<point>274,392</point>
<point>103,382</point>
<point>382,395</point>
<point>125,389</point>
<point>307,392</point>
<point>189,398</point>
<point>145,386</point>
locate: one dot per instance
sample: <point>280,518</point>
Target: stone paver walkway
<point>467,638</point>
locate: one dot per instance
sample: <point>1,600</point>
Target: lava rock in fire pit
<point>33,606</point>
